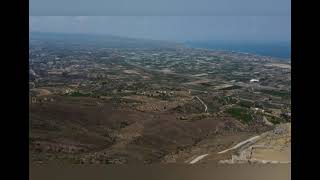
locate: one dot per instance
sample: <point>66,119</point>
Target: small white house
<point>254,80</point>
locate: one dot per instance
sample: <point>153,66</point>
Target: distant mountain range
<point>97,40</point>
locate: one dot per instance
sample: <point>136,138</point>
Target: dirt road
<point>205,106</point>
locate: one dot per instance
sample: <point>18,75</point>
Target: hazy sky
<point>159,7</point>
<point>178,20</point>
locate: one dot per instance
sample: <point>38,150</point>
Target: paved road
<point>198,158</point>
<point>252,140</point>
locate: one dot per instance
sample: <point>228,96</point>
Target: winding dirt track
<point>205,106</point>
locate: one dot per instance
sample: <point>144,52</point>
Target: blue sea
<point>278,50</point>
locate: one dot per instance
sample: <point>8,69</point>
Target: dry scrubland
<point>92,104</point>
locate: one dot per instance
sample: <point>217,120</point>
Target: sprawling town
<point>157,104</point>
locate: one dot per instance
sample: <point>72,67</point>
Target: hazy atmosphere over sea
<point>264,28</point>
